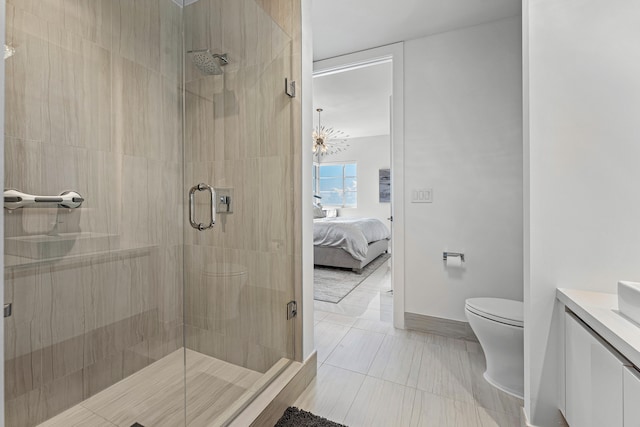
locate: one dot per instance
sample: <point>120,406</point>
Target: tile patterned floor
<point>155,395</point>
<point>371,374</point>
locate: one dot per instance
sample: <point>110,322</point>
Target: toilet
<point>221,290</point>
<point>498,324</point>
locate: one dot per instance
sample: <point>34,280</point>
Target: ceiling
<point>346,26</point>
<point>355,101</point>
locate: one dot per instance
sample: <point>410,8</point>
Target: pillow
<point>318,212</point>
<point>330,213</point>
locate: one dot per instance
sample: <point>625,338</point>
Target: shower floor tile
<point>155,395</point>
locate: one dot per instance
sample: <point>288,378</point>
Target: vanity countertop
<point>600,312</point>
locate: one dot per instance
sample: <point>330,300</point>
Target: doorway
<point>340,84</point>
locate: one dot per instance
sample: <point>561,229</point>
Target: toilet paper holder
<point>452,254</point>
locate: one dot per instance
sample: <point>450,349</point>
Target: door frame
<point>395,53</point>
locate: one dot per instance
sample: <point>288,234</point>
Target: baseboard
<point>524,420</point>
<point>267,408</point>
<point>439,326</point>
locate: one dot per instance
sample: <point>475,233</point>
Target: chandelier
<point>328,140</point>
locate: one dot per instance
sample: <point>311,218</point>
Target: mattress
<point>351,234</point>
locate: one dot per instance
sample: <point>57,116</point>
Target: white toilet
<point>498,324</point>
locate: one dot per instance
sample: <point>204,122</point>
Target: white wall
<point>371,154</point>
<point>463,138</point>
<point>584,145</point>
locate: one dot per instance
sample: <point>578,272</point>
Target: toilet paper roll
<point>453,262</point>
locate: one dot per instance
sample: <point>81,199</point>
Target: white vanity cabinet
<point>601,361</point>
<point>631,397</point>
<point>594,378</point>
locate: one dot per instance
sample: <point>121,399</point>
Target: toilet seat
<point>501,310</point>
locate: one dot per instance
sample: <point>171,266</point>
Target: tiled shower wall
<point>93,104</point>
<point>242,132</point>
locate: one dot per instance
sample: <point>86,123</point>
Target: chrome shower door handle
<point>192,207</point>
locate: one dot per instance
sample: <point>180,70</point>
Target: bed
<point>348,242</point>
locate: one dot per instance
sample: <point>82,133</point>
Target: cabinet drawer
<point>594,382</point>
<point>631,397</point>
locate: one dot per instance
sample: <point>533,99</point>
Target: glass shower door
<point>239,139</point>
<point>93,227</point>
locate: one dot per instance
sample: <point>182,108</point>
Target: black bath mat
<point>294,417</point>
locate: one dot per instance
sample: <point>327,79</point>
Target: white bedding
<point>351,234</point>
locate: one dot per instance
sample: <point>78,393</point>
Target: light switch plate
<point>422,195</point>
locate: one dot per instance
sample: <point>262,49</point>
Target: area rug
<point>333,284</point>
<point>294,417</point>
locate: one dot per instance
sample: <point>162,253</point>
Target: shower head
<point>207,62</point>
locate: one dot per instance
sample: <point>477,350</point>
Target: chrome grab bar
<point>14,199</point>
<point>192,207</point>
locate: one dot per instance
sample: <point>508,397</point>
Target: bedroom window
<point>337,184</point>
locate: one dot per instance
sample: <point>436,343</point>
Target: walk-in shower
<point>120,312</point>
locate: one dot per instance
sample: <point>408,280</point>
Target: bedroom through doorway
<point>352,197</point>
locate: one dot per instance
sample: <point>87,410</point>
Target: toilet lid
<point>224,270</point>
<point>498,309</point>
